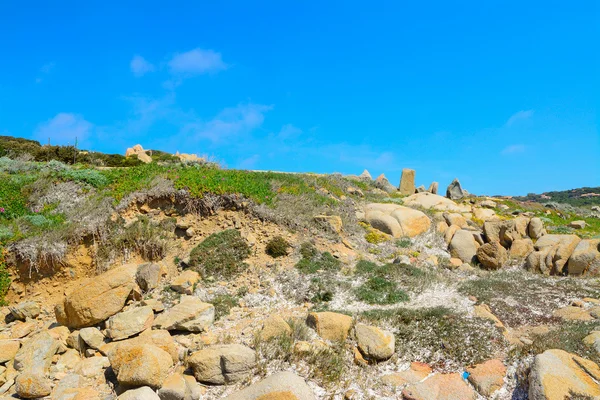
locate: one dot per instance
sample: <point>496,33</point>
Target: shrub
<point>223,304</point>
<point>404,243</point>
<point>221,255</point>
<point>90,176</point>
<point>375,237</point>
<point>377,290</point>
<point>277,247</point>
<point>313,260</point>
<point>144,237</point>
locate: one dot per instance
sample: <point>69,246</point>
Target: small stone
<point>279,386</point>
<point>191,314</point>
<point>374,343</point>
<point>222,364</point>
<point>185,282</point>
<point>32,385</point>
<point>487,377</point>
<point>577,225</point>
<point>143,393</point>
<point>128,323</point>
<point>330,325</point>
<point>274,326</point>
<point>416,373</point>
<point>8,350</point>
<point>25,310</point>
<point>92,337</point>
<point>148,276</point>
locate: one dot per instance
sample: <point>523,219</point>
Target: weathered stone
<point>92,337</point>
<point>185,282</point>
<point>421,189</point>
<point>416,373</point>
<point>455,219</point>
<point>505,232</point>
<point>585,259</point>
<point>397,220</point>
<point>407,182</point>
<point>68,360</point>
<point>75,341</point>
<point>455,191</point>
<point>492,255</point>
<point>159,338</point>
<point>174,388</point>
<point>488,204</point>
<point>365,175</point>
<point>536,229</point>
<point>138,152</point>
<point>449,234</point>
<point>577,224</point>
<point>431,201</point>
<point>440,387</point>
<point>433,188</point>
<point>140,365</point>
<point>556,373</point>
<point>441,227</point>
<point>143,393</point>
<point>593,340</point>
<point>382,183</point>
<point>129,323</point>
<point>191,314</point>
<point>374,343</point>
<point>331,222</point>
<point>552,253</point>
<point>330,325</point>
<point>487,377</point>
<point>485,214</point>
<point>463,246</point>
<point>8,350</point>
<point>21,329</point>
<point>572,313</point>
<point>32,385</point>
<point>221,364</point>
<point>279,386</point>
<point>25,309</point>
<point>412,222</point>
<point>36,353</point>
<point>98,299</point>
<point>148,276</point>
<point>274,326</point>
<point>92,366</point>
<point>72,387</point>
<point>156,305</point>
<point>521,248</point>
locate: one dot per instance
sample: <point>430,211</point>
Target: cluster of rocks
<point>408,187</point>
<point>474,233</point>
<point>142,155</point>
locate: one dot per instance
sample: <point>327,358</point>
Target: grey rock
<point>221,364</point>
<point>36,353</point>
<point>455,191</point>
<point>433,188</point>
<point>148,276</point>
<point>129,323</point>
<point>25,309</point>
<point>191,314</point>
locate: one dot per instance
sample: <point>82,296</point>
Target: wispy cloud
<point>230,122</point>
<point>519,116</point>
<point>140,66</point>
<point>196,62</point>
<point>64,128</point>
<point>45,70</point>
<point>249,162</point>
<point>513,149</point>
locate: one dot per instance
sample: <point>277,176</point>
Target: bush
<point>277,247</point>
<point>143,237</point>
<point>90,176</point>
<point>377,290</point>
<point>313,260</point>
<point>221,255</point>
<point>4,277</point>
<point>223,304</point>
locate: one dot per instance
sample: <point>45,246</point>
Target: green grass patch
<point>220,255</point>
<point>377,290</point>
<point>313,260</point>
<point>277,247</point>
<point>223,304</point>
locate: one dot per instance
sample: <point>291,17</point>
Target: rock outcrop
<point>407,182</point>
<point>139,152</point>
<point>397,220</point>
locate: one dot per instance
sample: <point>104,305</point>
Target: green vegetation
<point>377,290</point>
<point>439,336</point>
<point>4,276</point>
<point>313,260</point>
<point>220,255</point>
<point>144,237</point>
<point>576,197</point>
<point>277,247</point>
<point>404,242</point>
<point>223,304</point>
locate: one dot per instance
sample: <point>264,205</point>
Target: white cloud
<point>196,62</point>
<point>513,149</point>
<point>519,116</point>
<point>139,66</point>
<point>64,128</point>
<point>228,123</point>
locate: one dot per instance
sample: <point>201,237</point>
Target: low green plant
<point>377,290</point>
<point>277,247</point>
<point>313,260</point>
<point>90,176</point>
<point>4,276</point>
<point>143,237</point>
<point>327,364</point>
<point>220,255</point>
<point>376,237</point>
<point>223,304</point>
<point>404,242</point>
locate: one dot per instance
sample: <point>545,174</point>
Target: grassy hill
<point>585,196</point>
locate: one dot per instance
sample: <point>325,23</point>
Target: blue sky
<point>501,94</point>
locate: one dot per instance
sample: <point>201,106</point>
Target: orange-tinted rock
<point>487,377</point>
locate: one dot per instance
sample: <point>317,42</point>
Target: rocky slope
<point>178,282</point>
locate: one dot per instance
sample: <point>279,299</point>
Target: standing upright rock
<point>433,188</point>
<point>407,182</point>
<point>455,191</point>
<point>365,175</point>
<point>382,183</point>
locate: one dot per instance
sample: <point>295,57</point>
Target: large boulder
<point>32,385</point>
<point>492,255</point>
<point>585,259</point>
<point>97,299</point>
<point>279,386</point>
<point>556,374</point>
<point>129,323</point>
<point>455,191</point>
<point>397,220</point>
<point>431,201</point>
<point>536,230</point>
<point>552,253</point>
<point>221,364</point>
<point>407,182</point>
<point>179,387</point>
<point>138,152</point>
<point>159,338</point>
<point>140,365</point>
<point>464,246</point>
<point>191,314</point>
<point>36,353</point>
<point>275,326</point>
<point>507,231</point>
<point>521,248</point>
<point>487,377</point>
<point>330,325</point>
<point>440,387</point>
<point>374,343</point>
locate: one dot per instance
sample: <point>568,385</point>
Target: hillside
<point>160,276</point>
<point>586,196</point>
